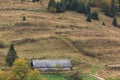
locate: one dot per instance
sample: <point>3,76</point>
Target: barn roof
<point>51,63</point>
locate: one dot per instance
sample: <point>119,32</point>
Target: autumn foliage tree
<point>2,75</point>
<point>21,71</point>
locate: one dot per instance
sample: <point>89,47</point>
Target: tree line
<point>110,7</point>
<point>72,5</point>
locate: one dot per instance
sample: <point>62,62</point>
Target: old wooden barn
<point>45,65</point>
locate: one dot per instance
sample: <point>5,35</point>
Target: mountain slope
<point>59,36</point>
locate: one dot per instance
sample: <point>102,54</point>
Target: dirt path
<point>100,78</point>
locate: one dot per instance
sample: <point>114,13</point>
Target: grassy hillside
<point>43,35</point>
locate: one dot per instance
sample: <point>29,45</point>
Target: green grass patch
<point>53,77</point>
<point>89,78</point>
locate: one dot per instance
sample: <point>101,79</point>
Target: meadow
<point>90,46</point>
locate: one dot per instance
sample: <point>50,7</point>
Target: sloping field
<point>59,36</point>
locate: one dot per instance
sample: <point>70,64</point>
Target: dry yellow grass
<point>54,36</point>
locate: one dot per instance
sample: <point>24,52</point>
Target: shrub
<point>34,75</point>
<point>2,43</point>
<point>75,76</point>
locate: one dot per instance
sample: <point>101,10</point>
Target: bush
<point>75,76</point>
<point>2,43</point>
<point>34,75</point>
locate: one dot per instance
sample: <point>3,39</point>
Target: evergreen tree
<point>113,9</point>
<point>81,7</point>
<point>60,7</point>
<point>37,0</point>
<point>68,4</point>
<point>103,23</point>
<point>74,4</point>
<point>88,10</point>
<point>11,56</point>
<point>114,22</point>
<point>95,16</point>
<point>119,4</point>
<point>52,3</point>
<point>24,18</point>
<point>33,0</point>
<point>88,18</point>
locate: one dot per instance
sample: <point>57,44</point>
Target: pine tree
<point>81,7</point>
<point>24,18</point>
<point>52,6</point>
<point>95,16</point>
<point>88,10</point>
<point>74,4</point>
<point>103,23</point>
<point>52,3</point>
<point>119,4</point>
<point>11,56</point>
<point>114,22</point>
<point>60,7</point>
<point>33,0</point>
<point>88,18</point>
<point>113,9</point>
